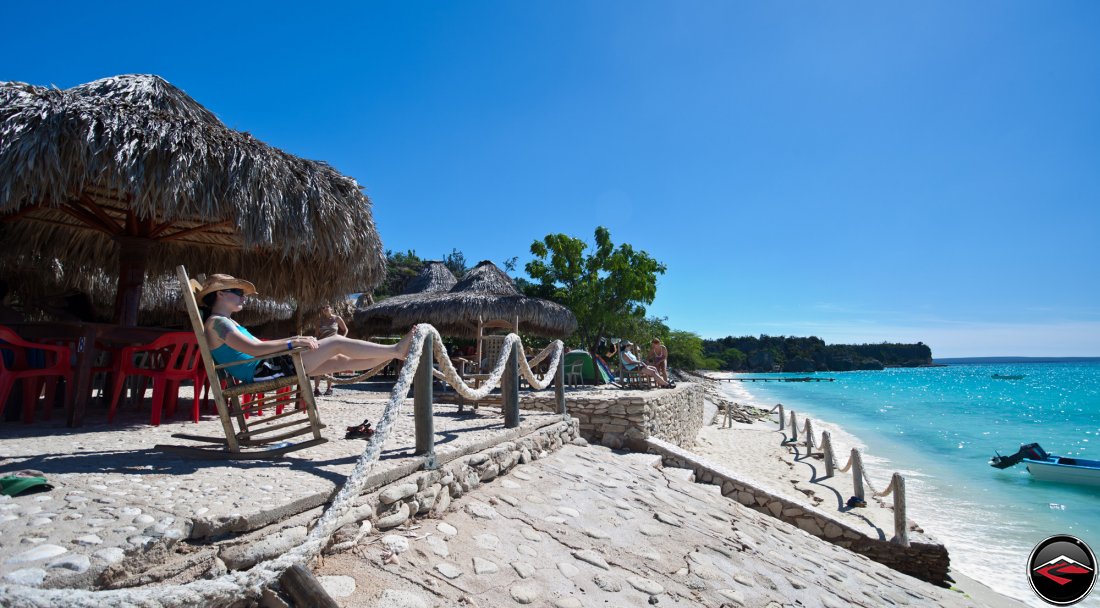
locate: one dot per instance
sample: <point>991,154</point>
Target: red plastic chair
<point>173,358</point>
<point>58,363</point>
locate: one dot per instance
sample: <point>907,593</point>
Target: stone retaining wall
<point>425,493</point>
<point>924,558</point>
<point>620,418</point>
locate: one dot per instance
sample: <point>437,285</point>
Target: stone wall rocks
<point>619,418</point>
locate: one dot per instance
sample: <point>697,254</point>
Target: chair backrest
<point>188,287</point>
<point>488,345</point>
<point>176,352</point>
<point>13,343</point>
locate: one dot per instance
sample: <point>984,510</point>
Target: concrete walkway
<point>591,527</point>
<point>120,508</point>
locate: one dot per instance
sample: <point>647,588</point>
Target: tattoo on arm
<point>223,327</point>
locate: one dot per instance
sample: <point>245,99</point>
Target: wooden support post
<point>809,437</point>
<point>827,447</point>
<point>901,529</point>
<point>857,474</point>
<point>509,389</point>
<point>305,589</point>
<point>781,421</point>
<point>794,429</point>
<point>559,385</point>
<point>422,407</point>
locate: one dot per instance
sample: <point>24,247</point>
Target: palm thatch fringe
<point>84,168</point>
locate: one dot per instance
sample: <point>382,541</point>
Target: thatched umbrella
<point>376,319</point>
<point>45,289</point>
<point>131,174</point>
<point>484,292</point>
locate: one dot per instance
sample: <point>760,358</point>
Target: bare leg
<point>340,354</point>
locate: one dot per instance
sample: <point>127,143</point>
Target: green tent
<point>588,368</point>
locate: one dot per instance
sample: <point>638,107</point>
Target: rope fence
<point>860,479</point>
<point>240,586</point>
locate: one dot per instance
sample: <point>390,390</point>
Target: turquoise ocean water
<point>939,426</point>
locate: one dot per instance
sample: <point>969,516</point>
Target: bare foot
<point>403,346</point>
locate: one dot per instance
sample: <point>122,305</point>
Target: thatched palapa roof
<point>44,289</point>
<point>484,292</point>
<point>133,163</point>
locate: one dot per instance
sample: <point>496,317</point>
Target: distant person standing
<point>328,324</point>
<point>658,357</point>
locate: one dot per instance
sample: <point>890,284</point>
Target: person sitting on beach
<point>222,295</point>
<point>633,364</point>
<point>328,324</point>
<point>658,357</point>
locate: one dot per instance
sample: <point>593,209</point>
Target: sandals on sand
<point>362,431</point>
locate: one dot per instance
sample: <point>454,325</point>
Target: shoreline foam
<point>755,451</point>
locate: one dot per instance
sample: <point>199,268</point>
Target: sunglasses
<point>237,292</point>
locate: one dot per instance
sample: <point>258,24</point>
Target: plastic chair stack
<point>172,359</point>
<point>15,364</point>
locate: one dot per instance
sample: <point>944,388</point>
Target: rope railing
<point>235,587</point>
<point>860,479</point>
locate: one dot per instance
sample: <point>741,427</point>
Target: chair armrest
<point>300,349</point>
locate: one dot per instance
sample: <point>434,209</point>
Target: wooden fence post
<point>509,389</point>
<point>794,429</point>
<point>901,528</point>
<point>781,421</point>
<point>559,385</point>
<point>809,437</point>
<point>827,448</point>
<point>857,474</point>
<point>422,407</point>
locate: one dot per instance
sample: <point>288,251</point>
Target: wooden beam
<point>90,204</point>
<point>202,228</point>
<point>22,212</point>
<point>86,217</point>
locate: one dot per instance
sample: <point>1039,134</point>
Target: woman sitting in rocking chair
<point>222,295</point>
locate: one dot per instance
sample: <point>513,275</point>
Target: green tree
<point>685,351</point>
<point>400,267</point>
<point>605,289</point>
<point>455,261</point>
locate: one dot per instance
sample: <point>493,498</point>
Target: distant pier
<point>805,379</point>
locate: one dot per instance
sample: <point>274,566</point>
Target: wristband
<point>290,344</point>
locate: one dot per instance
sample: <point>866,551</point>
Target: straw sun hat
<point>218,282</point>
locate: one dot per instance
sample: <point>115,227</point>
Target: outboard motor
<point>1031,450</point>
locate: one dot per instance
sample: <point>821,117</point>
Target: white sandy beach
<point>757,451</point>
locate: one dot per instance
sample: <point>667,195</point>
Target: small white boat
<point>1048,467</point>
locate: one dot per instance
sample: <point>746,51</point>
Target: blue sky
<point>859,171</point>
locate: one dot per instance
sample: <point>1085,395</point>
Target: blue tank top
<point>227,354</point>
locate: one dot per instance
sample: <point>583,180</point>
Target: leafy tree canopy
<point>400,267</point>
<point>606,290</point>
<point>455,261</point>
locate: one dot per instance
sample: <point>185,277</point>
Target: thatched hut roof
<point>43,289</point>
<point>87,171</point>
<point>434,277</point>
<point>484,292</point>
